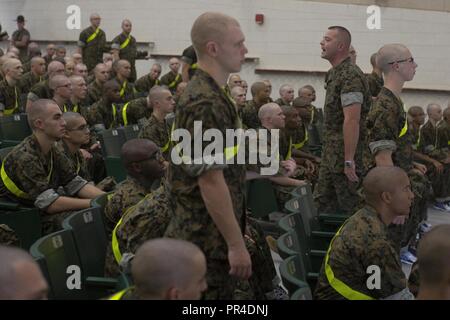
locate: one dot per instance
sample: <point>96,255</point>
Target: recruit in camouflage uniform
<point>345,85</point>
<point>28,81</point>
<point>387,130</point>
<point>428,144</point>
<point>42,179</point>
<point>159,133</point>
<point>116,115</point>
<point>171,81</point>
<point>7,236</point>
<point>443,136</point>
<point>40,90</point>
<point>147,219</point>
<point>127,194</point>
<point>93,44</point>
<point>127,90</point>
<point>250,115</point>
<point>76,160</point>
<point>363,241</point>
<point>95,92</point>
<point>375,83</point>
<point>126,44</point>
<point>145,83</point>
<point>10,101</point>
<point>205,100</point>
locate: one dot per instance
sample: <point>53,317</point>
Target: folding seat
<point>13,129</point>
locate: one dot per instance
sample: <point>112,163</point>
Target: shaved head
<point>39,110</point>
<point>415,110</point>
<point>234,80</point>
<point>10,64</point>
<point>55,67</point>
<point>343,35</point>
<point>268,110</point>
<point>156,268</point>
<point>210,26</point>
<point>71,118</point>
<point>20,276</point>
<point>257,87</point>
<point>57,81</point>
<point>434,257</point>
<point>379,180</point>
<point>390,53</point>
<point>156,92</point>
<point>136,150</point>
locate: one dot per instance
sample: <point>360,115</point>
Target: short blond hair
<point>210,26</point>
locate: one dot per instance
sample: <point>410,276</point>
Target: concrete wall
<point>288,40</point>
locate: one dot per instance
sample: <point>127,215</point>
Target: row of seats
<point>81,243</point>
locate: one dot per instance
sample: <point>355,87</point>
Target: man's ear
<point>212,48</point>
<point>386,197</point>
<point>38,123</point>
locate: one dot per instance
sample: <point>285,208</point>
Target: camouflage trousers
<point>221,285</point>
<point>334,193</point>
<point>264,273</point>
<point>8,236</point>
<point>402,235</point>
<point>440,182</point>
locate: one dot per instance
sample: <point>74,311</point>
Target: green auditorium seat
<point>57,252</point>
<point>101,201</point>
<point>90,239</point>
<point>131,131</point>
<point>111,142</point>
<point>293,274</point>
<point>115,168</point>
<point>13,129</point>
<point>261,199</point>
<point>26,222</point>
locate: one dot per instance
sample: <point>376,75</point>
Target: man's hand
<point>289,166</point>
<point>447,160</point>
<point>350,172</point>
<point>240,262</point>
<point>317,159</point>
<point>420,167</point>
<point>439,166</point>
<point>399,220</point>
<point>309,166</point>
<point>86,154</point>
<point>94,147</point>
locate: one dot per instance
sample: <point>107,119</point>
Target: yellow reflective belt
<point>9,112</point>
<point>337,284</point>
<point>194,66</point>
<point>418,139</point>
<point>118,295</point>
<point>10,185</point>
<point>231,152</point>
<point>288,156</point>
<point>122,90</point>
<point>93,36</point>
<point>174,82</point>
<point>126,42</point>
<point>302,143</point>
<point>75,108</point>
<point>124,114</point>
<point>114,110</point>
<point>65,108</point>
<point>312,116</point>
<point>115,243</point>
<point>167,145</point>
<point>157,82</point>
<point>405,127</point>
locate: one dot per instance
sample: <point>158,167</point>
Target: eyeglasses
<point>411,60</point>
<point>84,128</point>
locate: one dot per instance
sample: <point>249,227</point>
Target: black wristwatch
<point>348,163</point>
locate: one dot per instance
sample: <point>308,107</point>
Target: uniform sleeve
<point>382,255</point>
<point>382,130</point>
<point>352,90</point>
<point>195,164</point>
<point>115,43</point>
<point>82,39</point>
<point>69,179</point>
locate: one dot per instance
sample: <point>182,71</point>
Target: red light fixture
<point>259,18</point>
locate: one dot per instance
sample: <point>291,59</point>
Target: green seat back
<point>115,168</point>
<point>111,141</point>
<point>14,128</point>
<point>26,222</point>
<point>261,199</point>
<point>293,274</point>
<point>303,293</point>
<point>58,251</point>
<point>130,132</point>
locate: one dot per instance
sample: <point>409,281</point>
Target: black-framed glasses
<point>411,60</point>
<point>83,127</point>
